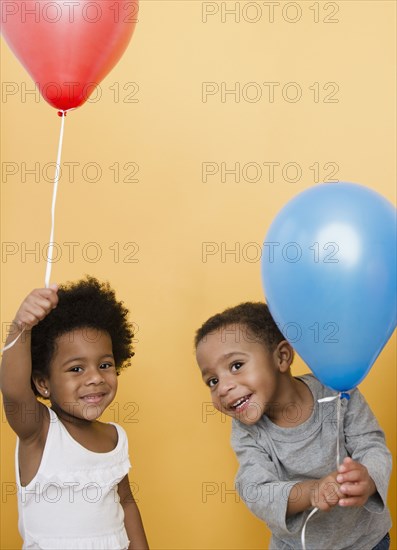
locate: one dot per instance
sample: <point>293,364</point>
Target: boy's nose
<point>225,386</point>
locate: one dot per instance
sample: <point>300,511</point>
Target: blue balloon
<point>329,276</point>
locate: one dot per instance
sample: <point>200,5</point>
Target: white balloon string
<point>51,242</point>
<point>339,398</point>
<point>54,199</point>
<point>304,527</point>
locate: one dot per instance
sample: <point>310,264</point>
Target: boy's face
<point>83,378</point>
<point>244,377</point>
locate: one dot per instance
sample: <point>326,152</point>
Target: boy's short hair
<point>86,303</point>
<point>253,315</point>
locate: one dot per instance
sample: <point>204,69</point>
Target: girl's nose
<point>94,376</point>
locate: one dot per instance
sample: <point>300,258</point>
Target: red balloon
<point>68,46</point>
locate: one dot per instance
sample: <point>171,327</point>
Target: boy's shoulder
<point>317,388</point>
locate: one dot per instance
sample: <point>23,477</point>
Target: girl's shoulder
<point>111,435</point>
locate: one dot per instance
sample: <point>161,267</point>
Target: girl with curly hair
<point>71,469</point>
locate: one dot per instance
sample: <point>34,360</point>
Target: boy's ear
<point>42,386</point>
<point>283,355</point>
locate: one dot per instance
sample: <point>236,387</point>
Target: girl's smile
<point>83,378</point>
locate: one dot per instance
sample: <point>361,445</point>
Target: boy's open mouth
<point>240,403</point>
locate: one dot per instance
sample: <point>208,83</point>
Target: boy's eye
<point>236,366</point>
<point>212,382</point>
<point>106,365</point>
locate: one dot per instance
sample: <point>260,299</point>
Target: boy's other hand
<point>36,306</point>
<point>356,483</point>
<point>326,493</point>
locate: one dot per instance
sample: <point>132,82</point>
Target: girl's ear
<point>283,355</point>
<point>42,386</point>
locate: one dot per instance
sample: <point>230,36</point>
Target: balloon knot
<point>62,113</point>
<point>344,395</point>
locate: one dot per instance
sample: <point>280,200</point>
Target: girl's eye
<point>76,369</point>
<point>212,382</point>
<point>236,366</point>
<point>106,365</point>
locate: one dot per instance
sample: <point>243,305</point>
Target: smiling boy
<point>286,442</point>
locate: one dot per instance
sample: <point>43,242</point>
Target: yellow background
<point>183,467</point>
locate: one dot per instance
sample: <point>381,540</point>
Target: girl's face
<point>83,377</point>
<point>244,377</point>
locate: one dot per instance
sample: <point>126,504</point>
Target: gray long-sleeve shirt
<point>273,459</point>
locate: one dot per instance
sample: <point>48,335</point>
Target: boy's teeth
<point>239,402</point>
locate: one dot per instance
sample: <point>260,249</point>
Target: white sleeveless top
<point>72,502</point>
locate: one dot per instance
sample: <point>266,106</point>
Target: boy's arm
<point>24,413</point>
<point>259,485</point>
<point>132,517</point>
<point>365,442</point>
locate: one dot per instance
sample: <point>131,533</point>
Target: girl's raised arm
<point>24,413</point>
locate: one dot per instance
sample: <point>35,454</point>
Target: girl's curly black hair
<point>86,303</point>
<point>255,316</point>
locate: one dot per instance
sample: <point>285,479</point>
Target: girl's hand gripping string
<point>34,308</point>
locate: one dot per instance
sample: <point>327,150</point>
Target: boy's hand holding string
<point>351,485</point>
